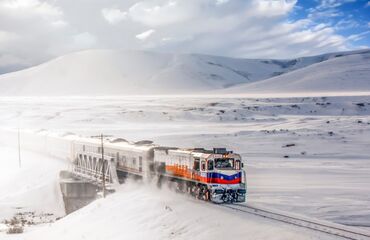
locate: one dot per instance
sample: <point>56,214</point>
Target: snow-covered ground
<point>138,211</point>
<point>135,211</point>
<point>32,189</point>
<point>307,155</point>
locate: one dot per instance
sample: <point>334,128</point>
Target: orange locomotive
<point>215,175</point>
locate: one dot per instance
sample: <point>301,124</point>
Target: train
<point>215,175</point>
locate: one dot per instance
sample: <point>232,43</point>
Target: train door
<point>140,164</point>
<point>196,166</point>
<point>203,169</point>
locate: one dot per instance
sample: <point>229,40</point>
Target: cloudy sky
<point>33,31</point>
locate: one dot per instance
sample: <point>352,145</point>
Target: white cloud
<point>8,60</point>
<point>359,36</point>
<point>346,24</point>
<point>220,2</point>
<point>163,12</point>
<point>145,35</point>
<point>59,23</point>
<point>7,37</point>
<point>272,8</point>
<point>84,40</point>
<point>32,7</point>
<point>332,3</point>
<point>113,15</point>
<point>37,30</point>
<point>328,9</point>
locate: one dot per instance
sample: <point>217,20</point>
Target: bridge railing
<point>93,170</point>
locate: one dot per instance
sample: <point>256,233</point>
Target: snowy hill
<point>108,72</point>
<point>349,73</point>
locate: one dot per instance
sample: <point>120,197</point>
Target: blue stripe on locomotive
<point>224,176</point>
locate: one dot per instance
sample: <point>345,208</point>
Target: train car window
<point>83,148</point>
<point>237,165</point>
<point>196,164</point>
<point>90,158</point>
<point>85,157</point>
<point>203,165</point>
<point>210,165</point>
<point>81,156</point>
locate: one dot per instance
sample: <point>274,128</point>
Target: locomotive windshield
<point>224,163</point>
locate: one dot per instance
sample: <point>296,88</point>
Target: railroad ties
<point>331,229</point>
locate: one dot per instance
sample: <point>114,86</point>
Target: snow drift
<point>108,72</point>
<point>144,212</point>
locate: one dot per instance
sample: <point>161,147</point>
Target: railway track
<point>332,229</point>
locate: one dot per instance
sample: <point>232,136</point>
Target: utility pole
<point>101,136</point>
<point>19,148</point>
<point>102,157</point>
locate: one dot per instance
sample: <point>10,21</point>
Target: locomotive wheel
<point>159,181</point>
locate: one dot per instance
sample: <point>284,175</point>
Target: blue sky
<point>350,18</point>
<point>35,31</point>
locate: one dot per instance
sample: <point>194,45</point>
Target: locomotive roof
<point>196,152</point>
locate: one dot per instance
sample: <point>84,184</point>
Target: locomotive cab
<point>215,175</point>
<point>226,177</point>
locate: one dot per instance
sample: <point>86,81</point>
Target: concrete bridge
<point>85,180</point>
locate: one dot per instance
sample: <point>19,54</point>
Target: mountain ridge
<point>122,72</point>
<point>349,73</point>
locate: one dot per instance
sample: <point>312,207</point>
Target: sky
<point>34,31</point>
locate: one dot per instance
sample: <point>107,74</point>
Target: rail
<point>332,229</point>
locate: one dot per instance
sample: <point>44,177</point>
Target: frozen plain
<point>325,174</point>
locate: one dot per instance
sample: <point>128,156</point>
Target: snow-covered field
<point>303,153</point>
<point>140,212</point>
<point>308,155</point>
<point>31,191</point>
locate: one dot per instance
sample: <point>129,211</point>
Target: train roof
<point>119,143</point>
